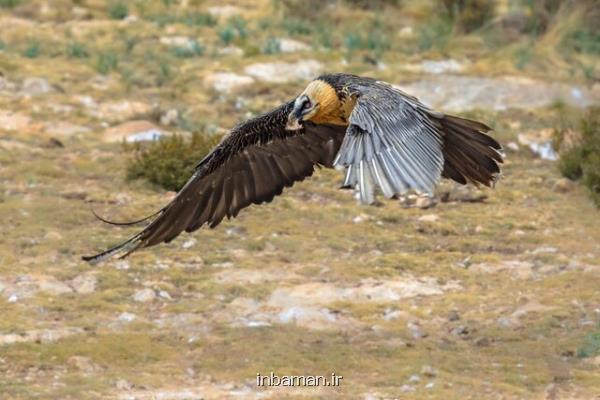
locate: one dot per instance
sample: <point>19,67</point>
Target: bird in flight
<point>384,139</point>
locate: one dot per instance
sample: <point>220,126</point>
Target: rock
<point>453,316</point>
<point>425,202</point>
<point>513,146</point>
<point>429,218</point>
<point>519,269</point>
<point>6,85</point>
<point>189,243</point>
<point>39,335</point>
<point>531,306</point>
<point>51,285</point>
<point>292,46</point>
<point>122,384</point>
<point>544,249</point>
<point>482,342</point>
<point>436,66</point>
<point>231,51</point>
<point>281,72</point>
<point>144,295</point>
<point>126,317</point>
<point>178,41</point>
<point>84,283</point>
<point>406,32</point>
<point>120,110</point>
<point>563,185</point>
<point>65,129</point>
<point>228,82</point>
<point>224,11</point>
<point>460,93</point>
<point>429,371</point>
<point>171,117</point>
<point>415,330</point>
<point>83,364</point>
<point>14,121</point>
<point>407,388</point>
<point>134,131</point>
<point>52,236</point>
<point>540,142</point>
<point>35,86</point>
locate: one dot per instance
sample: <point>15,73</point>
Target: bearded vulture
<point>384,139</point>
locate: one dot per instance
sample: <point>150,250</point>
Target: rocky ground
<point>473,294</point>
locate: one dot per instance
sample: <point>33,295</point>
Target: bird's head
<point>318,98</point>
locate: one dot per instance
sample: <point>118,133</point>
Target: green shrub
<point>582,161</point>
<point>77,50</point>
<point>272,46</point>
<point>106,62</point>
<point>169,162</point>
<point>226,34</point>
<point>195,49</point>
<point>118,10</point>
<point>32,50</point>
<point>9,3</point>
<point>590,346</point>
<point>296,26</point>
<point>435,34</point>
<point>468,15</point>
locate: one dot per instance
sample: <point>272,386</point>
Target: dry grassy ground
<point>485,299</point>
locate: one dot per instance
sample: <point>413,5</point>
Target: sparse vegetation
<point>522,321</point>
<point>169,162</point>
<point>118,10</point>
<point>32,50</point>
<point>581,161</point>
<point>106,62</point>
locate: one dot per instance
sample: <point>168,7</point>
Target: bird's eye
<point>307,104</point>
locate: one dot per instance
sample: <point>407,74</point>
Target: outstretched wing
<point>392,142</point>
<point>252,164</point>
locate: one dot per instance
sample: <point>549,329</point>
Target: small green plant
<point>273,46</point>
<point>468,15</point>
<point>9,3</point>
<point>118,10</point>
<point>226,34</point>
<point>170,161</point>
<point>590,346</point>
<point>194,49</point>
<point>435,34</point>
<point>582,160</point>
<point>32,50</point>
<point>106,62</point>
<point>353,41</point>
<point>296,26</point>
<point>77,50</point>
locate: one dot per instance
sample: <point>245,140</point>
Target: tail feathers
<point>470,156</point>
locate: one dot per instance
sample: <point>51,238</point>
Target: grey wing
<point>392,143</point>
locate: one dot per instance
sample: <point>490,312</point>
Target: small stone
<point>414,378</point>
<point>407,388</point>
<point>170,117</point>
<point>35,86</point>
<point>429,218</point>
<point>164,295</point>
<point>562,185</point>
<point>83,364</point>
<point>425,202</point>
<point>429,371</point>
<point>482,342</point>
<point>13,298</point>
<point>84,284</point>
<point>122,384</point>
<point>430,385</point>
<point>144,295</point>
<point>453,316</point>
<point>292,46</point>
<point>227,82</point>
<point>133,131</point>
<point>53,235</point>
<point>127,317</point>
<point>513,146</point>
<point>415,330</point>
<point>189,243</point>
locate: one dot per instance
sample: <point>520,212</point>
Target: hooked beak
<point>295,117</point>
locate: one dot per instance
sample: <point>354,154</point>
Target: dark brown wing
<point>250,166</point>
